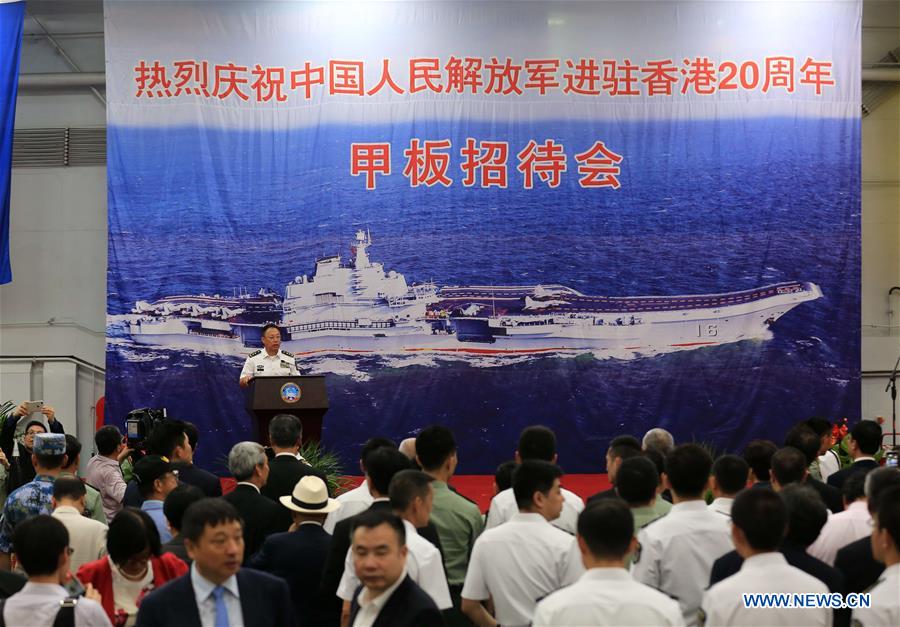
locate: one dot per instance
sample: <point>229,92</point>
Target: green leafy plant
<point>326,461</point>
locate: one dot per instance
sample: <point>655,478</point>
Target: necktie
<point>221,609</point>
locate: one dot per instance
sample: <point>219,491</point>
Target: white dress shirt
<point>423,563</point>
<point>840,530</point>
<point>352,502</point>
<point>885,597</point>
<point>36,605</point>
<point>722,505</point>
<point>206,602</point>
<point>262,364</point>
<point>677,552</point>
<point>828,464</point>
<point>764,573</point>
<point>518,564</point>
<point>369,609</point>
<point>607,596</point>
<point>504,507</point>
<point>87,536</point>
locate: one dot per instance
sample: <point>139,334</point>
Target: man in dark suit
<point>248,463</point>
<point>863,442</point>
<point>298,556</point>
<point>855,561</point>
<point>381,466</point>
<point>387,596</point>
<point>286,468</point>
<point>621,448</point>
<point>216,591</point>
<point>791,465</point>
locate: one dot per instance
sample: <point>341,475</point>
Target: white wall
<point>58,228</point>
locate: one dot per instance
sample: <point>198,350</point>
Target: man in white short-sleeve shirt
<point>606,594</point>
<point>411,497</point>
<point>525,559</point>
<point>677,551</point>
<point>270,361</point>
<point>885,594</point>
<point>535,442</point>
<point>359,499</point>
<point>759,522</point>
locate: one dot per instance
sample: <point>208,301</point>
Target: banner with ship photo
<point>601,217</point>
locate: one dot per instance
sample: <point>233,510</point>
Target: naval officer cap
<point>49,444</point>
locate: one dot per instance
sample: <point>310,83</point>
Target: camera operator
<point>170,439</point>
<point>104,470</point>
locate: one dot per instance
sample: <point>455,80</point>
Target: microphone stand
<point>892,386</point>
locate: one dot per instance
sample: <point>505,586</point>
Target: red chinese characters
<point>547,160</point>
<point>599,167</point>
<point>427,164</point>
<point>484,163</point>
<point>370,160</point>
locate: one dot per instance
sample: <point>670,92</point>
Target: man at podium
<point>271,361</point>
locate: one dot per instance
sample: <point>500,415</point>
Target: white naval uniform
<point>423,564</point>
<point>504,507</point>
<point>722,505</point>
<point>261,364</point>
<point>884,610</point>
<point>352,502</point>
<point>519,563</point>
<point>841,529</point>
<point>677,552</point>
<point>764,573</point>
<point>607,596</point>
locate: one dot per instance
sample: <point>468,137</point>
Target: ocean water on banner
<point>704,207</point>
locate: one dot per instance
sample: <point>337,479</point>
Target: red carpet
<point>480,488</point>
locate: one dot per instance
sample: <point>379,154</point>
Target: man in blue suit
<point>217,592</point>
<point>298,556</point>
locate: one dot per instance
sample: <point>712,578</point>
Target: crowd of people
<point>680,537</point>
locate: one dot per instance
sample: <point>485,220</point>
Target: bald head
<point>658,439</point>
<point>408,448</point>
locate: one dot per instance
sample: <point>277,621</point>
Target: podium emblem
<point>290,392</point>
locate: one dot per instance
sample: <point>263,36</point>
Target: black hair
<point>193,434</point>
<point>758,456</point>
<point>867,435</point>
<point>207,512</point>
<point>32,423</point>
<point>731,473</point>
<point>406,486</point>
<point>166,437</point>
<point>266,327</point>
<point>877,483</point>
<point>607,527</point>
<point>39,541</point>
<point>637,480</point>
<point>178,501</point>
<point>820,426</point>
<point>108,438</point>
<point>806,513</point>
<point>285,430</point>
<point>533,475</point>
<point>658,458</point>
<point>854,486</point>
<point>537,442</point>
<point>762,516</point>
<point>688,467</point>
<point>372,518</point>
<point>624,446</point>
<point>130,532</point>
<point>68,488</point>
<point>889,514</point>
<point>503,475</point>
<point>73,449</point>
<point>51,462</point>
<point>789,465</point>
<point>381,466</point>
<point>434,445</point>
<point>804,440</point>
<point>373,444</point>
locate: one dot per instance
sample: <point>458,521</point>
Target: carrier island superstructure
<point>357,306</point>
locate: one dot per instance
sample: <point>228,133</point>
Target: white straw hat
<point>310,496</point>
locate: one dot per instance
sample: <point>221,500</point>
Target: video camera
<point>139,425</point>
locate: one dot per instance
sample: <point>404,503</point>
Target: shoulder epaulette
<point>255,353</point>
<point>287,353</point>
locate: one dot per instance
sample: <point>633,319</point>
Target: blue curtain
<point>11,20</point>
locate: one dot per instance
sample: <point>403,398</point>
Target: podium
<point>301,396</point>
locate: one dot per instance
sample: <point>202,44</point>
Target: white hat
<point>310,496</point>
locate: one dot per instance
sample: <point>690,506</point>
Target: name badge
<point>260,368</point>
<point>285,364</point>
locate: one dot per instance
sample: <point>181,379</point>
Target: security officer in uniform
<point>271,361</point>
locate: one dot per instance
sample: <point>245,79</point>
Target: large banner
<point>12,15</point>
<point>597,216</point>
